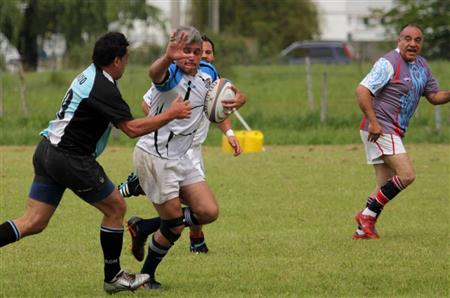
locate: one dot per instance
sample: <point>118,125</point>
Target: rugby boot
<point>131,187</point>
<point>137,240</point>
<point>198,244</point>
<point>124,281</point>
<point>367,224</point>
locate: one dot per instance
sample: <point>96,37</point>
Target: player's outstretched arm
<point>137,127</point>
<point>225,127</point>
<point>174,51</point>
<point>439,98</point>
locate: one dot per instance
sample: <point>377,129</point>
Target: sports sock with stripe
<point>386,193</point>
<point>156,253</point>
<point>9,233</point>
<point>111,240</point>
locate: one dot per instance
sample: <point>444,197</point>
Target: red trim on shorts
<point>379,147</point>
<point>393,144</point>
<point>381,198</point>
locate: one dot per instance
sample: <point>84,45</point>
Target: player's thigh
<point>199,197</point>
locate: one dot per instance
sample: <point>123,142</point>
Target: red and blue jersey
<point>397,86</point>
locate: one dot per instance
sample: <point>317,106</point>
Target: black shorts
<point>56,169</point>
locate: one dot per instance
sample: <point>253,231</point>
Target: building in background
<point>348,20</point>
<point>8,54</point>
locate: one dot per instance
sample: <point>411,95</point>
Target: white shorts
<point>195,154</point>
<point>387,144</point>
<point>160,178</point>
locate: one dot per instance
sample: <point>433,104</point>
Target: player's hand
<point>234,143</point>
<point>375,131</point>
<point>235,103</point>
<point>174,50</point>
<point>180,109</point>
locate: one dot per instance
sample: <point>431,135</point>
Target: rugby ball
<point>219,90</point>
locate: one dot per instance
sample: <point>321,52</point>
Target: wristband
<point>229,133</point>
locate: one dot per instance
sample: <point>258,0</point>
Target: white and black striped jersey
<point>83,123</point>
<point>174,139</point>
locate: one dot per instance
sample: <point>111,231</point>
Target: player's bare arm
<point>225,127</point>
<point>364,98</point>
<point>137,127</point>
<point>439,98</point>
<point>145,108</point>
<point>174,51</point>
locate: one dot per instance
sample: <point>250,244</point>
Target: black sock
<point>9,233</point>
<point>149,226</point>
<point>111,240</point>
<point>369,202</point>
<point>376,207</point>
<point>390,190</point>
<point>156,253</point>
<point>189,217</point>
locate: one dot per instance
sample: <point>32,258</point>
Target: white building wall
<point>345,19</point>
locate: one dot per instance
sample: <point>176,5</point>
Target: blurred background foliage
<point>251,31</point>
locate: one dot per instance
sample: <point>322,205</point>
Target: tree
<point>272,24</point>
<point>79,21</point>
<point>432,15</point>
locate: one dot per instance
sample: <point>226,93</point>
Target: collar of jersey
<point>108,76</point>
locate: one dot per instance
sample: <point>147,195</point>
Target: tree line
<point>250,30</point>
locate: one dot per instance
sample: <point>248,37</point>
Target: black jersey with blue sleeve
<point>90,107</point>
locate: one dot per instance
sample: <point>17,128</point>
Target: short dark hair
<point>108,47</point>
<point>206,38</point>
<point>414,25</point>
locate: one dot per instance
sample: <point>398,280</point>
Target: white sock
<point>359,231</point>
<point>369,212</point>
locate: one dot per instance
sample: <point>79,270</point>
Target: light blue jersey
<point>174,139</point>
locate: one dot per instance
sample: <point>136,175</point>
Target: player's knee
<point>32,226</point>
<point>121,209</point>
<point>408,178</point>
<point>207,214</point>
<point>117,210</point>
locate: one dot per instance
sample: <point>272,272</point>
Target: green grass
<point>277,104</point>
<point>284,230</point>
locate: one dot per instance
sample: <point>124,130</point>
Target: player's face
<point>208,53</point>
<point>410,43</point>
<point>190,63</point>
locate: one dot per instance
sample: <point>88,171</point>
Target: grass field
<point>277,104</point>
<point>284,230</point>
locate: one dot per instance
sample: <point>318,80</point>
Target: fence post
<point>438,119</point>
<point>309,84</point>
<point>22,90</point>
<point>323,100</point>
